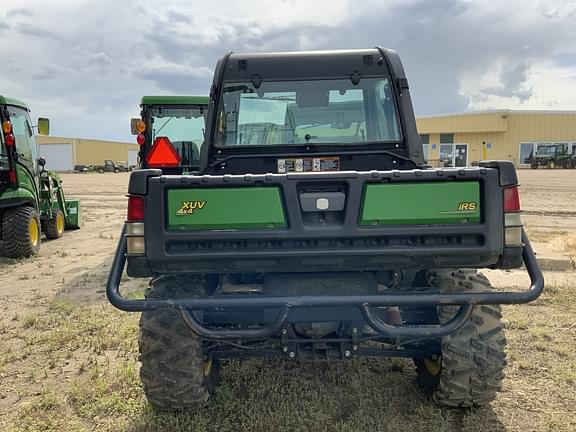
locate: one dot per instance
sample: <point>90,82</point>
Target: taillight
<point>135,209</point>
<point>511,200</point>
<point>12,177</point>
<point>135,243</point>
<point>163,154</point>
<point>512,219</point>
<point>141,139</point>
<point>9,140</point>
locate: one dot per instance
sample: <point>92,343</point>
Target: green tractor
<point>181,119</point>
<point>552,156</point>
<point>31,199</point>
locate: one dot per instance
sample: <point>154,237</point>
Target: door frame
<point>453,158</point>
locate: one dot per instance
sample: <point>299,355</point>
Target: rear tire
<point>54,227</point>
<point>469,370</point>
<point>175,373</point>
<point>21,232</point>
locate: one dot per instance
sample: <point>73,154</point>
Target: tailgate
<point>324,221</point>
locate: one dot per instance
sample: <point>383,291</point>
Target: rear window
<point>183,126</point>
<point>308,112</point>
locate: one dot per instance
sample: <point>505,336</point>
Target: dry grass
<point>102,391</point>
<point>568,245</point>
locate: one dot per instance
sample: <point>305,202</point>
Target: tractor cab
<point>18,149</point>
<point>170,132</point>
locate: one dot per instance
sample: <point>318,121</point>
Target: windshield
<point>183,126</point>
<point>546,150</point>
<point>307,112</point>
<point>24,138</point>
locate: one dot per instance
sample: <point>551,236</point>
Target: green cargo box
<point>74,219</point>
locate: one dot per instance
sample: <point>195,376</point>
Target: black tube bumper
<point>365,303</point>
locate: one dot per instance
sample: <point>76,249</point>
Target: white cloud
<point>552,87</point>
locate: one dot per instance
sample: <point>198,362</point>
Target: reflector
<point>163,154</point>
<point>140,139</point>
<point>141,126</point>
<point>12,176</point>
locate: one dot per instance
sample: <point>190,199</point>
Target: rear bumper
<point>365,303</point>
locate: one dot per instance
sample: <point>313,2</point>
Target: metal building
<point>460,139</point>
<point>62,154</point>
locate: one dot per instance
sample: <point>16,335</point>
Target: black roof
<point>308,64</point>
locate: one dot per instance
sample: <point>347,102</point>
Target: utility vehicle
<point>31,198</point>
<point>311,229</point>
<point>111,166</point>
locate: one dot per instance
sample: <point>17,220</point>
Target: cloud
<point>32,30</point>
<point>19,12</point>
<point>176,78</point>
<point>99,59</point>
<point>76,66</point>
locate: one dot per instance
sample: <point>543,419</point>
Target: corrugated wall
<point>504,130</point>
<point>92,152</point>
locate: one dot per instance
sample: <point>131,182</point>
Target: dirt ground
<point>68,359</point>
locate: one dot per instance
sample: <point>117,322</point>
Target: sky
<point>86,63</point>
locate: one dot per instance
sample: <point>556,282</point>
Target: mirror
<point>133,128</point>
<point>43,126</point>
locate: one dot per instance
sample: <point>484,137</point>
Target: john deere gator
<point>310,228</point>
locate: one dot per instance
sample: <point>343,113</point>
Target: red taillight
<point>511,200</point>
<point>135,209</point>
<point>12,176</point>
<point>141,139</point>
<point>9,139</point>
<point>163,154</point>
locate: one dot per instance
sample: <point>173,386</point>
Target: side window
<point>425,151</point>
<point>388,126</point>
<point>22,129</point>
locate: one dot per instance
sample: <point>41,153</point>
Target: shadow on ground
<point>90,287</point>
<point>356,395</point>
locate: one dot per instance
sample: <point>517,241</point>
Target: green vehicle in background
<point>181,119</point>
<point>553,156</point>
<point>31,199</point>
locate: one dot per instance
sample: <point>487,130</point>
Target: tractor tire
<point>54,227</point>
<point>534,165</point>
<point>175,373</point>
<point>21,232</point>
<point>470,369</point>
